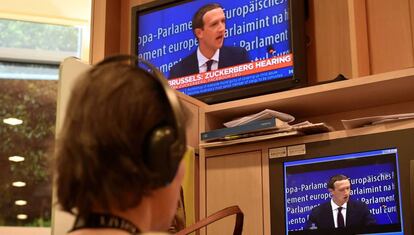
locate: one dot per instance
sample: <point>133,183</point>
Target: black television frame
<point>400,139</point>
<point>298,16</point>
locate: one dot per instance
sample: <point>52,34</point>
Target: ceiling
<point>47,10</point>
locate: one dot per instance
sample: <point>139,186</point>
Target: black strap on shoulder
<point>96,220</point>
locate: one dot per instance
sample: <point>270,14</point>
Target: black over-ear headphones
<point>165,144</point>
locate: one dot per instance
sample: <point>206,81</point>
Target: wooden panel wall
<point>125,40</point>
<point>358,38</point>
<point>98,31</point>
<point>390,35</point>
<point>105,35</point>
<point>330,40</point>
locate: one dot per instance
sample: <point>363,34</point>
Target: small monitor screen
<point>373,198</point>
<point>249,43</point>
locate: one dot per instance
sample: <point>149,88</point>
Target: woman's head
<point>101,153</point>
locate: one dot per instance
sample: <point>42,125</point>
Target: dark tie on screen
<point>209,63</point>
<point>341,223</point>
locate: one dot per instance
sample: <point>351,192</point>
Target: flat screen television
<point>271,32</point>
<point>378,167</point>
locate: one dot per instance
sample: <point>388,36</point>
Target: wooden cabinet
<point>352,37</point>
<point>236,172</point>
<point>191,109</point>
<point>235,179</point>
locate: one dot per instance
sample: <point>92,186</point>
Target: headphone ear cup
<point>158,154</point>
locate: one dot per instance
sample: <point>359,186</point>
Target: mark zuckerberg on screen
<point>209,28</point>
<point>340,211</point>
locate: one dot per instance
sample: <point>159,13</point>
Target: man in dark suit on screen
<point>209,26</point>
<point>340,212</point>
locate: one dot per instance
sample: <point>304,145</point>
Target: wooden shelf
<point>344,96</point>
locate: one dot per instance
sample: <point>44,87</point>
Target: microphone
<point>271,50</point>
<point>313,226</point>
<point>384,207</point>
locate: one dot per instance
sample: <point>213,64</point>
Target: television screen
<point>256,47</point>
<point>374,171</point>
<point>373,177</point>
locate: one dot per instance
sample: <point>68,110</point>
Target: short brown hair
<point>197,21</point>
<point>333,179</point>
<point>100,154</point>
